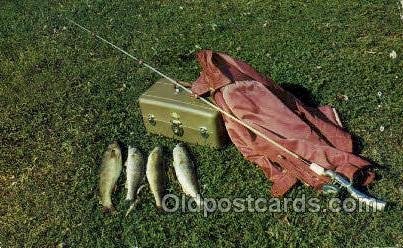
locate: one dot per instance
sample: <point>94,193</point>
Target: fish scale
<point>156,175</point>
<point>185,172</point>
<point>134,172</point>
<point>110,171</point>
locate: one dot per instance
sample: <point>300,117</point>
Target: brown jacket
<point>312,133</point>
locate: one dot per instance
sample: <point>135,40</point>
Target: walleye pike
<point>185,173</point>
<point>110,172</point>
<point>156,175</point>
<point>134,172</point>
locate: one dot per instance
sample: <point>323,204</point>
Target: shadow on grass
<point>301,93</point>
<point>308,99</point>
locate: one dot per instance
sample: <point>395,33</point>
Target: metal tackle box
<point>171,112</point>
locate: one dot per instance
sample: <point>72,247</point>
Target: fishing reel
<point>331,189</point>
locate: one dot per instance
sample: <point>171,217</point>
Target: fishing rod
<point>361,197</point>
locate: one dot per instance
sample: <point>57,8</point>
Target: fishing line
<point>141,62</point>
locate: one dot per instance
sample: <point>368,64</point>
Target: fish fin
<point>199,202</point>
<point>129,210</point>
<point>132,206</point>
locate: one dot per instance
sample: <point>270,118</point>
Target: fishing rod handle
<point>366,199</point>
<point>360,196</point>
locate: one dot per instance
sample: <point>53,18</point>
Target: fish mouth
<point>179,148</point>
<point>180,145</point>
<point>131,150</point>
<point>114,146</point>
<point>157,149</point>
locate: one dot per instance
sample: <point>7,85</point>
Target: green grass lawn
<point>64,96</point>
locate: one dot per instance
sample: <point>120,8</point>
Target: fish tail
<point>129,194</point>
<point>132,206</point>
<point>199,201</point>
<point>130,209</point>
<point>108,209</point>
<point>160,209</point>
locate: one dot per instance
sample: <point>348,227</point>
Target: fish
<point>135,172</point>
<point>110,171</point>
<point>133,205</point>
<point>186,173</point>
<point>155,173</point>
